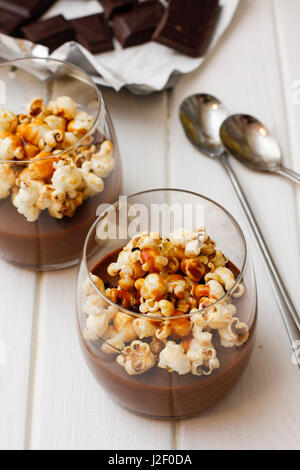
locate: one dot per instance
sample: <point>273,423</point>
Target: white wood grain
<point>71,411</point>
<point>287,24</point>
<point>252,70</point>
<point>16,324</point>
<point>263,410</point>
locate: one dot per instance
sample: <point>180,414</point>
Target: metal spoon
<point>201,116</point>
<point>251,143</point>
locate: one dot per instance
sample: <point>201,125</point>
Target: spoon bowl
<point>250,142</point>
<point>201,116</point>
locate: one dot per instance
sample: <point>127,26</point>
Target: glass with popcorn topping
<point>167,303</point>
<point>59,162</point>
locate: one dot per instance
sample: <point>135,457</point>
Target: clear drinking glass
<point>161,392</point>
<point>44,220</point>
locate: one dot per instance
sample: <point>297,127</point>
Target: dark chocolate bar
<point>93,32</point>
<point>9,23</point>
<point>187,26</point>
<point>52,32</point>
<point>114,7</point>
<point>137,26</point>
<point>27,8</point>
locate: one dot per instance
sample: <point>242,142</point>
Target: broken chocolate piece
<point>114,7</point>
<point>52,32</point>
<point>187,26</point>
<point>93,32</point>
<point>27,8</point>
<point>9,23</point>
<point>137,26</point>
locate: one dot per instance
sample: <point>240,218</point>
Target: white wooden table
<point>48,398</point>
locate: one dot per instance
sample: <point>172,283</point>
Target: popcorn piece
<point>188,243</point>
<point>10,147</point>
<point>219,260</point>
<point>36,107</point>
<point>96,327</point>
<point>126,298</point>
<point>137,358</point>
<point>235,333</point>
<point>163,331</point>
<point>55,123</point>
<point>148,240</point>
<point>144,328</point>
<point>181,327</point>
<point>216,317</point>
<point>25,200</point>
<point>150,306</point>
<point>239,291</point>
<point>154,287</point>
<point>187,303</point>
<point>152,261</point>
<point>62,206</point>
<point>103,162</point>
<point>94,183</point>
<point>30,151</point>
<point>54,137</point>
<point>173,265</point>
<point>67,178</point>
<point>128,267</point>
<point>69,141</point>
<point>42,169</point>
<point>157,346</point>
<point>33,133</point>
<point>173,359</point>
<point>8,121</point>
<point>202,291</point>
<point>89,289</point>
<point>64,107</point>
<point>216,290</point>
<point>94,305</point>
<point>193,268</point>
<point>202,354</point>
<point>166,307</point>
<point>7,180</point>
<point>124,324</point>
<point>209,247</point>
<point>176,285</point>
<point>224,276</point>
<point>81,124</point>
<point>113,341</point>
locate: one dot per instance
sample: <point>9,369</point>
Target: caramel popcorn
<point>174,359</point>
<point>137,358</point>
<point>8,121</point>
<point>181,307</point>
<point>7,180</point>
<point>54,180</point>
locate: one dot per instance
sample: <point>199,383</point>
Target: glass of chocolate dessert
<point>166,303</point>
<point>59,161</point>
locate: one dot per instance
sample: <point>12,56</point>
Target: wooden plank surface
<point>17,322</point>
<point>71,411</point>
<point>247,76</point>
<point>252,70</point>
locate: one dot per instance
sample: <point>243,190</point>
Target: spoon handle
<point>292,175</point>
<point>288,311</point>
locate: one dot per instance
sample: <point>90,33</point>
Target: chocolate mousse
<point>54,173</point>
<point>186,343</point>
